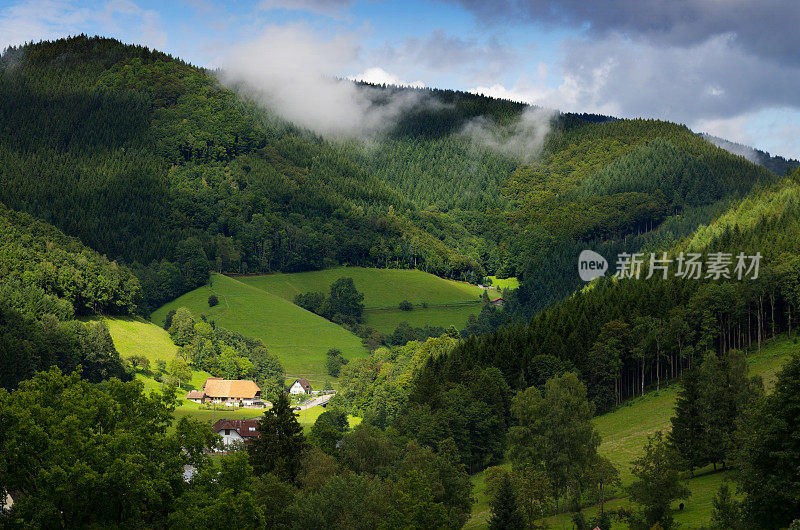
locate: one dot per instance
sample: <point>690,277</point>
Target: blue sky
<point>728,68</point>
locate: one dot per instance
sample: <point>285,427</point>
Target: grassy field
<point>135,336</point>
<point>298,337</point>
<point>448,302</point>
<point>624,432</point>
<point>386,321</point>
<point>504,283</point>
<point>139,337</point>
<point>382,288</point>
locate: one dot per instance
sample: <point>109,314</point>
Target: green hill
<point>624,432</point>
<point>134,336</point>
<point>299,338</point>
<point>382,288</point>
<point>144,157</point>
<point>448,302</point>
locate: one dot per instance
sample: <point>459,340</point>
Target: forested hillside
<point>155,162</point>
<point>625,335</point>
<point>46,279</point>
<point>141,155</point>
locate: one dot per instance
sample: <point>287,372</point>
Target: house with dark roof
<point>300,386</point>
<point>236,431</point>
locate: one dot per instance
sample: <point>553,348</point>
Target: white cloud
<point>293,71</point>
<point>523,139</point>
<point>32,21</point>
<point>775,130</point>
<point>513,94</point>
<point>379,76</point>
<point>439,54</point>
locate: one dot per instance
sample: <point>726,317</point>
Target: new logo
<point>591,265</point>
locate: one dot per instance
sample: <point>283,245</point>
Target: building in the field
<point>236,431</point>
<point>195,396</point>
<point>242,392</point>
<point>300,386</point>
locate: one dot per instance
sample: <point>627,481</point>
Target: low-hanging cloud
<point>732,147</point>
<point>523,139</point>
<point>294,72</point>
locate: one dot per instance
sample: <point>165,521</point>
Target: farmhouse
<point>236,431</point>
<point>300,386</point>
<point>231,391</point>
<point>195,396</point>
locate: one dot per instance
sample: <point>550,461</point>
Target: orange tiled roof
<point>230,388</point>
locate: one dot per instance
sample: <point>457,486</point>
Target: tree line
<point>47,280</point>
<point>222,353</point>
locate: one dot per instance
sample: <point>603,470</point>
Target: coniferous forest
<point>129,175</point>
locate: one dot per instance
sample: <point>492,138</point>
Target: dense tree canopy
<point>67,444</point>
<point>153,161</point>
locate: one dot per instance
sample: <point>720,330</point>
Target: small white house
<point>196,396</point>
<point>300,386</point>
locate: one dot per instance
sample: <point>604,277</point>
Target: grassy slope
<point>381,287</point>
<point>134,336</point>
<point>624,432</point>
<point>139,337</point>
<point>505,283</point>
<point>386,321</point>
<point>383,290</point>
<point>298,337</point>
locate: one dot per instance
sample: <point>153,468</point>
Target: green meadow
<point>448,302</point>
<point>299,338</point>
<point>382,288</point>
<point>624,432</point>
<point>386,321</point>
<point>135,336</point>
<point>504,283</point>
<point>139,337</point>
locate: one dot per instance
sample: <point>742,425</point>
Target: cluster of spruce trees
<point>46,280</point>
<point>134,151</point>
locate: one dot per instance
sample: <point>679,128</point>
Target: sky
<point>730,68</point>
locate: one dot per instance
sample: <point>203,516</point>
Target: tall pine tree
<point>280,443</point>
<point>688,433</point>
<point>505,512</point>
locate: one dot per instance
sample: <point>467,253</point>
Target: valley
<point>165,224</point>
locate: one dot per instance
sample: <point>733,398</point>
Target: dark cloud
<point>709,80</point>
<point>765,28</point>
